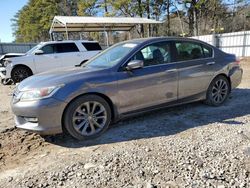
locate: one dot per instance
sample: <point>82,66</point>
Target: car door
<point>48,60</point>
<point>154,84</point>
<point>68,53</point>
<point>196,67</point>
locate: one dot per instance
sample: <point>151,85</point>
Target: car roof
<point>156,39</point>
<point>67,41</point>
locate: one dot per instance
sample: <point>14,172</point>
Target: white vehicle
<point>47,56</point>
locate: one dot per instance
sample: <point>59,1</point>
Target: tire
<point>19,73</point>
<point>218,91</point>
<point>87,117</point>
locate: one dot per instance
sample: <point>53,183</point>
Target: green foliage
<point>33,21</point>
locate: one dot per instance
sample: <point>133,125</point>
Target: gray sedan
<point>130,77</point>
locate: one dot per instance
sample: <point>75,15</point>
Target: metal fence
<point>15,47</point>
<point>237,43</point>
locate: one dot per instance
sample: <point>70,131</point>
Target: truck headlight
<point>38,93</point>
<point>6,62</point>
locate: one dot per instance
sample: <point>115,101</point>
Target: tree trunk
<point>195,22</point>
<point>148,14</point>
<point>141,15</point>
<point>168,17</point>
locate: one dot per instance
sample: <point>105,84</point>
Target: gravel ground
<point>192,145</point>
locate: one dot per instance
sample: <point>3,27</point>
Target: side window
<point>208,52</point>
<point>188,51</point>
<point>66,47</point>
<point>92,46</point>
<point>48,49</point>
<point>154,54</point>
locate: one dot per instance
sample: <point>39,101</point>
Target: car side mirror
<point>134,64</point>
<point>39,52</point>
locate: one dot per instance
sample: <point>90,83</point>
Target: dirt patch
<point>15,145</point>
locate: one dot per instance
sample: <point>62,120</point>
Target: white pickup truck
<point>47,56</point>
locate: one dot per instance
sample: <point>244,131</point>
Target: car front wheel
<point>218,91</point>
<point>19,73</point>
<point>87,117</point>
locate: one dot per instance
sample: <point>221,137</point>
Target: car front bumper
<point>47,114</point>
<point>2,73</point>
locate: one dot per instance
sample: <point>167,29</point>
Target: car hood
<point>57,77</point>
<point>11,54</point>
<point>18,58</point>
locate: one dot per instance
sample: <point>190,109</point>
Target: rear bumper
<point>236,76</point>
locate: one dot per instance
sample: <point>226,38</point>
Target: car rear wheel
<point>87,117</point>
<point>218,91</point>
<point>18,74</point>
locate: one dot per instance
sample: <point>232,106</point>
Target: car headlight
<point>6,62</point>
<point>38,93</point>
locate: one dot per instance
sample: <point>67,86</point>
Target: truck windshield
<point>111,56</point>
<point>34,49</point>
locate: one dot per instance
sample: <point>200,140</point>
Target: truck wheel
<point>19,73</point>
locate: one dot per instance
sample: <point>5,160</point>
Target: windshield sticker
<point>129,45</point>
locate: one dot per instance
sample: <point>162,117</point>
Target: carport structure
<point>96,24</point>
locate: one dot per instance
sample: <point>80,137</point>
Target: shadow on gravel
<point>167,122</point>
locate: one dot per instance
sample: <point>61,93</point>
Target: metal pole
<point>107,37</point>
<point>244,44</point>
<point>129,35</point>
<point>148,30</point>
<point>67,35</point>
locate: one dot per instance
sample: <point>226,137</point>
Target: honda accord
<point>128,78</point>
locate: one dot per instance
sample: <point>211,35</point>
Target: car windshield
<point>34,48</point>
<point>111,56</point>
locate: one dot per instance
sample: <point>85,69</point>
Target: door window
<point>208,52</point>
<point>48,49</point>
<point>66,47</point>
<point>154,54</point>
<point>92,46</point>
<point>188,51</point>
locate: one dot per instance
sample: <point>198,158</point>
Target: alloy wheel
<point>219,91</point>
<point>89,118</point>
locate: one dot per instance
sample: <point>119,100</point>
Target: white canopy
<point>96,24</point>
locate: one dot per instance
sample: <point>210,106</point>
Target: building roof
<point>96,24</point>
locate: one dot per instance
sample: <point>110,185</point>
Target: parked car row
<point>48,56</point>
<point>128,78</point>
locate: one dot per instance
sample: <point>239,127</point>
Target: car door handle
<point>171,70</point>
<point>210,63</point>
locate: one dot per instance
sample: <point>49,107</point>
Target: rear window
<point>91,46</point>
<point>192,50</point>
<point>208,52</point>
<point>66,47</point>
